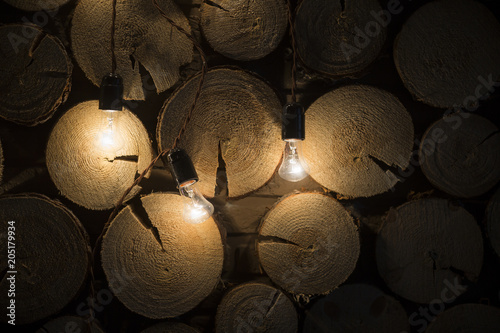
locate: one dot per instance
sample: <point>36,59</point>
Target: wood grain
<point>493,221</point>
<point>308,244</point>
<point>52,254</point>
<point>355,136</point>
<point>238,112</point>
<point>142,36</point>
<point>36,74</point>
<point>339,38</point>
<point>170,265</point>
<point>468,318</point>
<point>242,29</point>
<point>443,49</point>
<point>256,307</point>
<point>464,160</point>
<point>82,171</point>
<point>357,308</point>
<point>426,246</point>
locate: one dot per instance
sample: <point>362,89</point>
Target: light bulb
<point>197,209</point>
<point>293,168</point>
<point>109,138</point>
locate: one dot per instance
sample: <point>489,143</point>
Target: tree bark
<point>51,256</point>
<point>89,173</point>
<point>460,156</point>
<point>242,29</point>
<point>143,38</point>
<point>467,318</point>
<point>238,114</point>
<point>36,74</point>
<point>443,51</point>
<point>355,137</point>
<point>339,38</point>
<point>426,246</point>
<point>357,308</point>
<point>256,307</point>
<point>170,265</point>
<point>308,244</point>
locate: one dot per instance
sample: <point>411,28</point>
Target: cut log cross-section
<point>158,265</point>
<point>308,244</point>
<point>51,258</point>
<point>426,246</point>
<point>89,171</point>
<point>256,307</point>
<point>238,112</point>
<point>355,137</point>
<point>242,29</point>
<point>448,51</point>
<point>142,37</point>
<point>460,156</point>
<point>36,74</point>
<point>357,308</point>
<point>339,37</point>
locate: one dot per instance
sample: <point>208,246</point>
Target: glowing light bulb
<point>198,209</point>
<point>109,139</point>
<point>293,168</point>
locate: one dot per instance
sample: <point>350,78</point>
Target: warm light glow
<point>293,168</point>
<point>197,209</point>
<point>109,139</point>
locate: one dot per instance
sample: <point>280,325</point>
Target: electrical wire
<point>136,182</point>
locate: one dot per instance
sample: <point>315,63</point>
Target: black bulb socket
<point>182,167</point>
<point>293,122</point>
<point>111,96</point>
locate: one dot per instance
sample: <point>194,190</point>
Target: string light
<point>196,209</point>
<point>109,138</point>
<point>293,167</point>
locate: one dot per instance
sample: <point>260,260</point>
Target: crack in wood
<point>395,170</point>
<point>276,239</point>
<point>489,136</point>
<point>216,5</point>
<point>274,302</point>
<point>342,4</point>
<point>55,75</point>
<point>221,183</point>
<point>127,158</point>
<point>37,40</point>
<point>142,216</point>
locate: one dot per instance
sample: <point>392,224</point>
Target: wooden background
<point>24,154</point>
